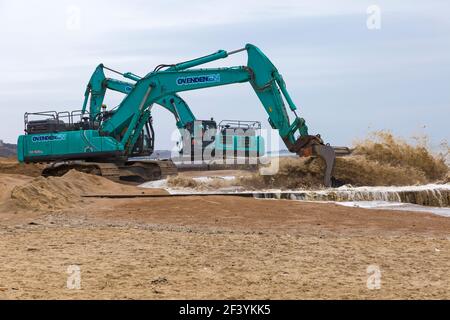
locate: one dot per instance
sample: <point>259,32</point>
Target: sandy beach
<point>219,247</point>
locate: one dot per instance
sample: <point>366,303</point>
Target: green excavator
<point>109,142</point>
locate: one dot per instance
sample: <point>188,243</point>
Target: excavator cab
<point>199,135</point>
<point>144,145</point>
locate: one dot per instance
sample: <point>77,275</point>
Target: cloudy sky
<point>346,78</point>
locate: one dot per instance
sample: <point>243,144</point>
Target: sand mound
<point>54,193</point>
<point>378,161</point>
<point>11,166</point>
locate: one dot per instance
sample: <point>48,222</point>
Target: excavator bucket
<point>310,145</point>
<point>328,154</point>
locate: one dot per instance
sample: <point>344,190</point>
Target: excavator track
<point>133,172</point>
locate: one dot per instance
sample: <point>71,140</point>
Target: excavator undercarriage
<point>133,172</point>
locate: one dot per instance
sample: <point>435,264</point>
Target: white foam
<point>211,178</point>
<point>156,184</point>
<point>422,187</point>
<point>396,206</point>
